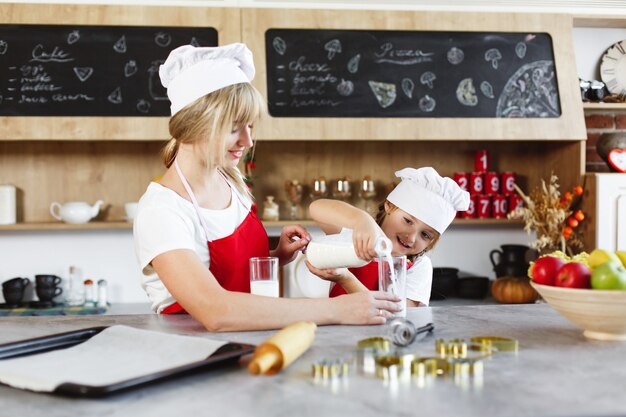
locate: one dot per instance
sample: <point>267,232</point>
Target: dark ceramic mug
<point>13,296</point>
<point>47,293</point>
<point>49,281</point>
<point>16,283</point>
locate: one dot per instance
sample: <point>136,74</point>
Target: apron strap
<point>195,201</point>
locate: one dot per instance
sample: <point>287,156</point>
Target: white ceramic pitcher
<point>75,212</point>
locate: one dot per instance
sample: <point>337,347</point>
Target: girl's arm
<point>198,292</point>
<point>340,276</point>
<point>333,215</point>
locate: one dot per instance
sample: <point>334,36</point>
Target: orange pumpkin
<point>513,290</point>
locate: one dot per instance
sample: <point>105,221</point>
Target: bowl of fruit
<point>589,290</point>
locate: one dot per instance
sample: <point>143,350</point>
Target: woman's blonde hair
<point>382,215</point>
<point>209,120</point>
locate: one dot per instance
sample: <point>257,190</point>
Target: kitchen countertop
<point>557,372</point>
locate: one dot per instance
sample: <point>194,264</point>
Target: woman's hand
<point>293,239</point>
<point>367,307</point>
<point>364,235</point>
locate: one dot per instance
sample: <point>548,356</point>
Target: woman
<point>195,231</point>
<point>413,217</point>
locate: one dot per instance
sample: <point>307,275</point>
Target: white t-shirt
<point>419,279</point>
<point>166,221</point>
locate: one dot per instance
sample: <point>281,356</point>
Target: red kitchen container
<point>471,210</point>
<point>508,181</point>
<point>483,206</point>
<point>462,178</point>
<point>481,161</point>
<point>515,201</point>
<point>499,206</point>
<point>492,183</point>
<point>476,183</point>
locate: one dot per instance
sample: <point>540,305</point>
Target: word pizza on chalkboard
<point>57,70</point>
<point>358,73</point>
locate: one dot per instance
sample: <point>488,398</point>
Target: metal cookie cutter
<point>330,368</point>
<point>378,343</point>
<point>459,348</point>
<point>502,344</point>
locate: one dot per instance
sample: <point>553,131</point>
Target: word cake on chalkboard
<point>62,70</point>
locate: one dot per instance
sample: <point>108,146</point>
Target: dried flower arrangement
<point>555,219</point>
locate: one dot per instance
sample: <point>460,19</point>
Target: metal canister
<point>481,161</point>
<point>462,179</point>
<point>483,206</point>
<point>515,202</point>
<point>470,213</point>
<point>508,180</point>
<point>476,183</point>
<point>499,206</point>
<point>492,183</point>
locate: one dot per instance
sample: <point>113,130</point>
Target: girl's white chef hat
<point>191,72</point>
<point>429,197</point>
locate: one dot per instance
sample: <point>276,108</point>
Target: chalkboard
<point>371,73</point>
<point>59,70</point>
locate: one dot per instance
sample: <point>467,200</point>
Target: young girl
<point>413,217</point>
<point>194,229</point>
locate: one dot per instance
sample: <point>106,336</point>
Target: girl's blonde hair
<point>382,215</point>
<point>209,120</point>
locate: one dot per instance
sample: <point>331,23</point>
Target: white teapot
<point>75,212</point>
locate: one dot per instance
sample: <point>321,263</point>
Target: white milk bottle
<point>337,251</point>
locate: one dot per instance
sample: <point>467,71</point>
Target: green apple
<point>621,254</point>
<point>609,276</point>
<point>599,256</point>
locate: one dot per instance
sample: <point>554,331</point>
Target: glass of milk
<point>392,278</point>
<point>264,276</point>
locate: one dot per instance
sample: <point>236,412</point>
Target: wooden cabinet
<point>114,158</point>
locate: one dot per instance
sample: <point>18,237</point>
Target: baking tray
<point>225,355</point>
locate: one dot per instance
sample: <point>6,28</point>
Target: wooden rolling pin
<point>284,347</point>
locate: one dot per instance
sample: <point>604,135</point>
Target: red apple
<point>574,275</point>
<point>545,269</point>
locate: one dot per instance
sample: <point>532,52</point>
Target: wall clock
<point>613,68</point>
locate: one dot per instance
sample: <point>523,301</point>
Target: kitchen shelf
<point>604,106</point>
<point>46,226</point>
<point>41,226</point>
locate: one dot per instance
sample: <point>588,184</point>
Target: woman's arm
<point>197,291</point>
<point>333,215</point>
<point>292,240</point>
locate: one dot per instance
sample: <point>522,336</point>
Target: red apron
<point>229,256</point>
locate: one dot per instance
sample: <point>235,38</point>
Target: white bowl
<point>601,313</point>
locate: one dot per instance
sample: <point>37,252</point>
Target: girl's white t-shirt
<point>165,221</point>
<point>419,279</point>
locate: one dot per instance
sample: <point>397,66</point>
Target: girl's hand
<point>333,275</point>
<point>368,307</point>
<point>293,239</point>
<point>364,236</point>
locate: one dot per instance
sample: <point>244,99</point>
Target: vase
<point>510,261</point>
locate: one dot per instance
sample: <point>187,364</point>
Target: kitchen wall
<point>109,254</point>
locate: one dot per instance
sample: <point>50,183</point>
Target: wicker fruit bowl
<point>602,314</point>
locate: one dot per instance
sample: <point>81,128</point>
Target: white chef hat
<point>191,72</point>
<point>429,197</point>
